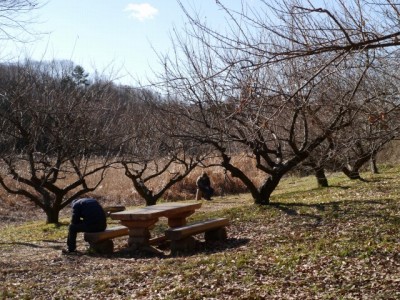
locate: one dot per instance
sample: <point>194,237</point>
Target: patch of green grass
<point>34,231</point>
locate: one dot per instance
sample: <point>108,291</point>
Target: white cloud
<point>141,11</point>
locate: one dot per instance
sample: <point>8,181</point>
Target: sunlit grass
<point>34,231</point>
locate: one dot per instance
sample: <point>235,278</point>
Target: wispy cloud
<point>141,11</point>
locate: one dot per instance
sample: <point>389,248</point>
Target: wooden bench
<point>101,242</point>
<point>182,237</point>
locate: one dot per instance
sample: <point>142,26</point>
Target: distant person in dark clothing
<point>204,185</point>
<point>87,216</point>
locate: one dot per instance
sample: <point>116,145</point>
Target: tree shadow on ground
<point>217,246</point>
<point>164,250</point>
<point>290,209</point>
<point>293,194</point>
<point>345,208</point>
<point>47,244</point>
<point>32,245</point>
<point>343,187</point>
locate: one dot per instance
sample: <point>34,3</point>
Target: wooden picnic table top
<point>169,209</point>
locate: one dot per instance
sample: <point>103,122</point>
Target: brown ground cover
<point>337,243</point>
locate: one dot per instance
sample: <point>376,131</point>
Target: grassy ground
<point>341,242</point>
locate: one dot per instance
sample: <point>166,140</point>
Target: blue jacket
<point>88,211</point>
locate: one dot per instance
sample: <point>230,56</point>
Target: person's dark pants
<point>81,227</point>
<point>207,192</point>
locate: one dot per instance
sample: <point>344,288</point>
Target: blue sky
<point>109,35</point>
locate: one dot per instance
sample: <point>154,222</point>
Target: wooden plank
<point>111,209</point>
<point>195,228</point>
<point>109,233</point>
<point>155,211</point>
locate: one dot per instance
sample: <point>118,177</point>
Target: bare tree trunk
<point>267,188</point>
<point>353,174</point>
<point>52,216</point>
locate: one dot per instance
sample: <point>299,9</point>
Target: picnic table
<point>141,220</point>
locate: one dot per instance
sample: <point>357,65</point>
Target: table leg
<point>139,232</point>
<point>179,219</point>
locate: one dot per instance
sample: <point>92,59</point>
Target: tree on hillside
<point>56,142</point>
<point>78,77</point>
<point>281,79</point>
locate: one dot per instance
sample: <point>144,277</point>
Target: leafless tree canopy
<point>54,135</point>
<point>16,18</point>
<point>282,78</point>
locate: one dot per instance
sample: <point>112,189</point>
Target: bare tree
<point>56,140</point>
<point>154,158</point>
<point>375,124</point>
<point>362,146</point>
<point>263,84</point>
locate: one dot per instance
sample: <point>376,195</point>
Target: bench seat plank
<point>179,233</point>
<point>109,233</point>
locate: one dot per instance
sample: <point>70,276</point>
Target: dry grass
<point>118,189</point>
